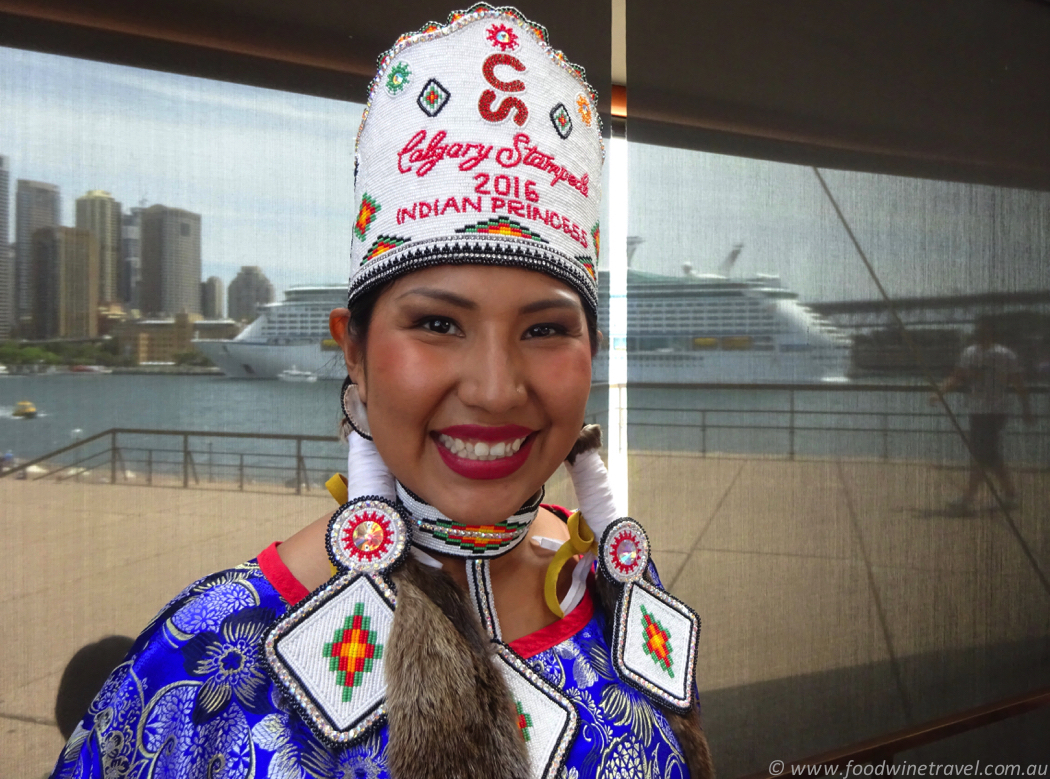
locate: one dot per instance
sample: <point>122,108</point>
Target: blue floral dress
<point>193,699</point>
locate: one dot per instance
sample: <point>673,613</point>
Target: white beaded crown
<point>480,144</point>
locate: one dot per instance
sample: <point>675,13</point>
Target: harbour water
<point>895,424</point>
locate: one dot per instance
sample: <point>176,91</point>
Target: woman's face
<point>476,379</point>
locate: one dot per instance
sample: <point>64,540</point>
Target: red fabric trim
<point>561,511</point>
<point>277,573</point>
<point>556,632</point>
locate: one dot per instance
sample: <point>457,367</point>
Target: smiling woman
<point>444,621</point>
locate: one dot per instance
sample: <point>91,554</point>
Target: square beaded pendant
<point>655,639</point>
<point>328,653</point>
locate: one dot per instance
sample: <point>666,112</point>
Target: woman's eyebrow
<point>441,294</point>
<point>543,305</point>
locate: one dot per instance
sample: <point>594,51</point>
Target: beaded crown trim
<point>435,532</point>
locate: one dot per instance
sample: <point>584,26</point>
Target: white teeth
<point>480,450</point>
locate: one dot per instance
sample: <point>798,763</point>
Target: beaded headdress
<point>480,144</point>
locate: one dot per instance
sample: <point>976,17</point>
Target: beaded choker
<point>433,531</point>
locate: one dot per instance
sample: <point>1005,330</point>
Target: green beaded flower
<point>397,78</point>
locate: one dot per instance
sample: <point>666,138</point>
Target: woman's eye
<point>544,331</point>
<point>438,325</point>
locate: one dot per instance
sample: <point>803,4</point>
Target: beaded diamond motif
<point>353,650</point>
<point>433,98</point>
<point>366,214</point>
<point>654,644</point>
<point>561,120</point>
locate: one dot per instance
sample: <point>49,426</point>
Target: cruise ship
<point>687,329</point>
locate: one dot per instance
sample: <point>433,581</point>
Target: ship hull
<point>247,360</point>
<point>753,367</point>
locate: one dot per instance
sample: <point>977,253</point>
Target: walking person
<point>988,370</point>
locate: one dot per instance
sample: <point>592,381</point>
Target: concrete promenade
<point>839,599</point>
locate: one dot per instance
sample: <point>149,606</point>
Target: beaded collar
<point>433,531</point>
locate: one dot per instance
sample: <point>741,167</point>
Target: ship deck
<point>839,599</point>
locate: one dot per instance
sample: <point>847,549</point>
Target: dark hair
<point>83,678</point>
<point>361,317</point>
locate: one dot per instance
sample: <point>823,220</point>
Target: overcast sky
<point>271,174</point>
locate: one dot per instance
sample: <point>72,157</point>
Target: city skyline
<point>248,160</point>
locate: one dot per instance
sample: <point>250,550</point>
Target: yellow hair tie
<point>337,488</point>
<point>581,540</point>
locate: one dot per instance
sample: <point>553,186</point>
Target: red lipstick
<point>486,469</point>
<point>486,433</point>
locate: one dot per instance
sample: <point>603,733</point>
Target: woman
<point>442,622</point>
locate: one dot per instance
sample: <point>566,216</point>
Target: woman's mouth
<point>480,452</point>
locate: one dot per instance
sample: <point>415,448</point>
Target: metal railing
<point>883,749</point>
<point>880,431</point>
<point>174,456</point>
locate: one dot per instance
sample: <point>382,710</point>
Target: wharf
<point>839,599</point>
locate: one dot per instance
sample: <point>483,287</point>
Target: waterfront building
<point>65,283</point>
<point>7,269</point>
<point>211,298</point>
<point>249,290</point>
<point>37,205</point>
<point>99,213</point>
<point>160,340</point>
<point>171,261</point>
<point>131,257</point>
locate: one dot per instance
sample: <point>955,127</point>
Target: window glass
<point>139,190</point>
<point>800,490</point>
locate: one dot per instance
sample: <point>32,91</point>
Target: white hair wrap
<point>594,494</point>
<point>366,473</point>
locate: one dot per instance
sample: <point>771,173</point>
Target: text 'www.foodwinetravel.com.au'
<point>976,768</point>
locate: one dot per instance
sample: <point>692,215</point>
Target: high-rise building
<point>7,260</point>
<point>211,298</point>
<point>98,212</point>
<point>247,292</point>
<point>171,261</point>
<point>65,270</point>
<point>37,205</point>
<point>131,257</point>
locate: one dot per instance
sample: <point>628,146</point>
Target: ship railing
<point>193,458</point>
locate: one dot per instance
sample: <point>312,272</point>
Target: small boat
<point>90,369</point>
<point>24,410</point>
<point>294,374</point>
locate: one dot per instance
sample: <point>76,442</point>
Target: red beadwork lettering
<point>498,203</point>
<point>493,61</point>
<point>516,207</point>
<point>483,180</point>
<point>475,203</point>
<point>530,192</point>
<point>450,203</point>
<point>501,185</point>
<point>488,97</point>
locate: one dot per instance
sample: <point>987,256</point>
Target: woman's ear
<point>353,350</point>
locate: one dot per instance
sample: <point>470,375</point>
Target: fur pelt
<point>590,437</point>
<point>687,727</point>
<point>449,711</point>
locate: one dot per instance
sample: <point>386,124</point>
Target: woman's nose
<point>493,377</point>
